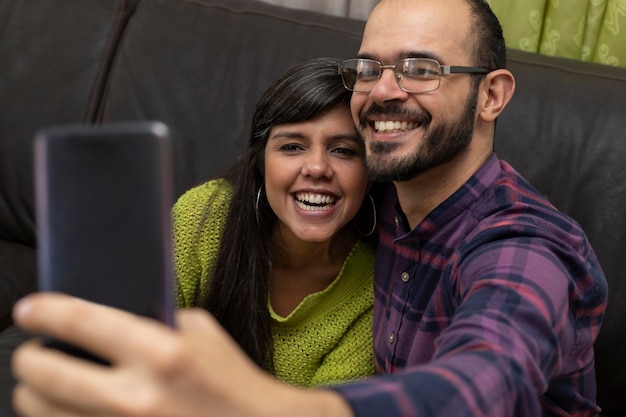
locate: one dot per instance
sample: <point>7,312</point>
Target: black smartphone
<point>103,195</point>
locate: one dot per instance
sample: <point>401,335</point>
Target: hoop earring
<point>256,205</point>
<point>371,231</point>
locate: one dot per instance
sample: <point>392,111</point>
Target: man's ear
<point>496,91</point>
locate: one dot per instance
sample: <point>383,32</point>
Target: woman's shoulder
<point>212,189</point>
<point>216,192</point>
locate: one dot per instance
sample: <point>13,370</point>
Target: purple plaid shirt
<point>489,307</point>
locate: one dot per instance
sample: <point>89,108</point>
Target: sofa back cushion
<point>53,56</point>
<point>200,66</point>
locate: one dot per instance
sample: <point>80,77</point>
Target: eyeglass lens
<point>415,75</point>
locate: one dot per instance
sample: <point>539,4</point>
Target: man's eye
<point>368,73</point>
<point>418,72</point>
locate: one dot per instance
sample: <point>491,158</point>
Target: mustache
<point>422,117</point>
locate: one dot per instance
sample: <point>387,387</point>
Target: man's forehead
<point>398,29</point>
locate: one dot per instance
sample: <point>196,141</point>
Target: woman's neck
<point>303,268</point>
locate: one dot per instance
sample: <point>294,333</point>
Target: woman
<point>275,249</point>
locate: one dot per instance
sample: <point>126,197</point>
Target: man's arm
<point>519,342</point>
<point>196,370</point>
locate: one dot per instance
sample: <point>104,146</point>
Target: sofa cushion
<point>211,60</point>
<point>53,54</point>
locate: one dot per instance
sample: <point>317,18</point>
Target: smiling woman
<point>314,177</point>
<point>273,249</point>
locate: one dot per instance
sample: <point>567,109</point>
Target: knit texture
<point>327,339</point>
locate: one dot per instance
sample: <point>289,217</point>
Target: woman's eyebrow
<point>286,135</point>
<point>298,135</point>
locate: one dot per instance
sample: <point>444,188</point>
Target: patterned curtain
<point>588,30</point>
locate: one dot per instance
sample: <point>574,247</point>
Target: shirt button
<point>392,337</point>
<point>397,221</point>
<point>405,277</point>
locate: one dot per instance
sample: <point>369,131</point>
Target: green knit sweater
<point>327,339</point>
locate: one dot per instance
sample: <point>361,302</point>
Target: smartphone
<point>103,195</point>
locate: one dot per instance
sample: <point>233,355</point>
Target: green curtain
<point>589,30</point>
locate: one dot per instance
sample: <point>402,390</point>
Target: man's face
<point>409,133</point>
<point>439,143</point>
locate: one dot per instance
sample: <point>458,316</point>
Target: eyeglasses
<point>414,75</point>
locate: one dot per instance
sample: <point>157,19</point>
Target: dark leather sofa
<point>200,65</point>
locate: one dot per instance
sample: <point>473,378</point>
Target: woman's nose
<point>316,165</point>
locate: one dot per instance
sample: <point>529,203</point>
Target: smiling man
<point>488,300</point>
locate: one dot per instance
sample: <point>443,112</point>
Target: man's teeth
<point>311,201</point>
<point>391,126</point>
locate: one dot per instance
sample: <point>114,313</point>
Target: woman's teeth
<point>389,126</point>
<point>313,202</point>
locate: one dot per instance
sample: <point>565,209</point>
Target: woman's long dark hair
<point>238,291</point>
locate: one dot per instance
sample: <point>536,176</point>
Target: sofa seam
<point>97,95</point>
<point>273,16</point>
<point>583,72</point>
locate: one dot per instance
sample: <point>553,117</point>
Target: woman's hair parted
<point>238,291</point>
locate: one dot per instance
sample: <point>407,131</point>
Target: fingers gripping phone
<point>103,199</point>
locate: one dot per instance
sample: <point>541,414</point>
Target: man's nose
<point>387,87</point>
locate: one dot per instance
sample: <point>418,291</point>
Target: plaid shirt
<point>489,307</point>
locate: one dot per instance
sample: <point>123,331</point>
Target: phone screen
<point>103,199</point>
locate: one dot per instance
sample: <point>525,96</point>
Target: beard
<point>440,144</point>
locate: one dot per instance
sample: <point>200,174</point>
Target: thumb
<point>196,320</point>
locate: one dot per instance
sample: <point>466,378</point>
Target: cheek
<point>279,177</point>
<point>272,176</point>
<point>357,184</point>
<point>356,106</point>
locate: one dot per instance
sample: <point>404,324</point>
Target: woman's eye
<point>290,147</point>
<point>344,151</point>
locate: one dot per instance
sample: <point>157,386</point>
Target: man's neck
<point>423,193</point>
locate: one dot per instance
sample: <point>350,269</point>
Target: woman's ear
<point>496,91</point>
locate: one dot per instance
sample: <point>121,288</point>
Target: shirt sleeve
<point>518,322</point>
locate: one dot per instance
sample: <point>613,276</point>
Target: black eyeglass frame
<point>442,70</point>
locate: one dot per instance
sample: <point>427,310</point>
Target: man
<point>488,296</point>
<point>488,300</point>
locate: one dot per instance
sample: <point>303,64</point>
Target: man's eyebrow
<point>366,56</point>
<point>403,55</point>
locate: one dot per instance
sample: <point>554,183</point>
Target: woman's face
<point>315,179</point>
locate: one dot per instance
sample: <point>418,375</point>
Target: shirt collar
<point>460,201</point>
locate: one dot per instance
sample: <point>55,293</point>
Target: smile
<point>314,201</point>
<point>390,126</point>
